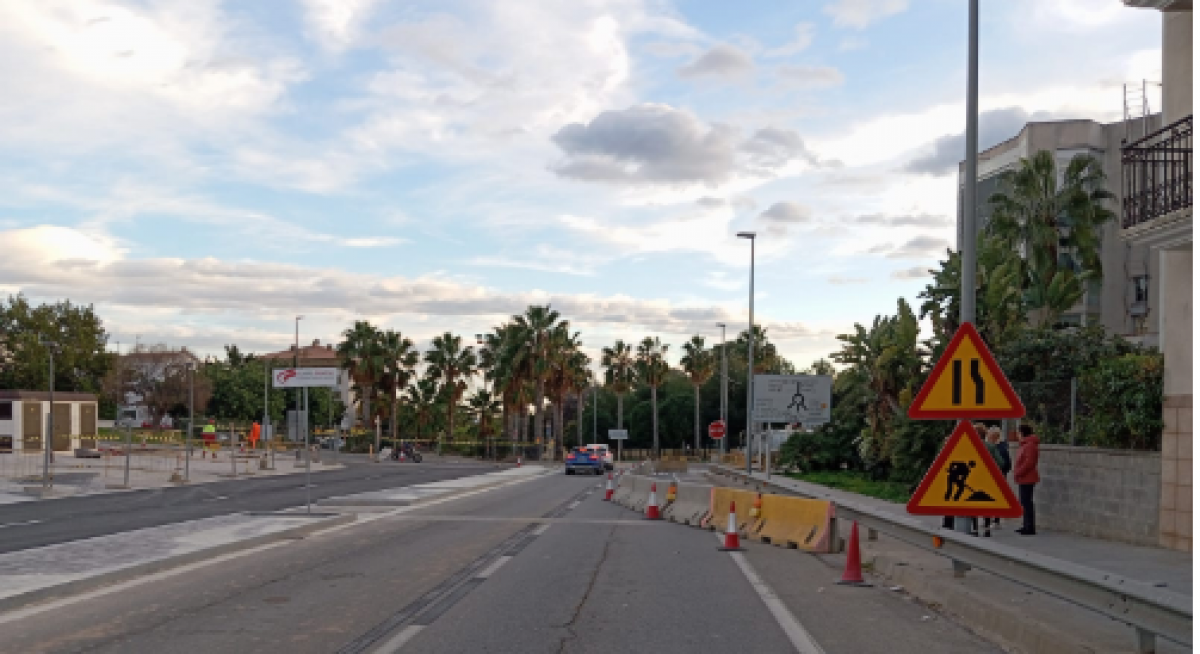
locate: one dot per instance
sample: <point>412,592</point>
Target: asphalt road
<point>538,566</point>
<point>73,518</point>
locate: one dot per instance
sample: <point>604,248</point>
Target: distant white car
<point>604,453</point>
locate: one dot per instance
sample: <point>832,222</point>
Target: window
<point>6,411</point>
<point>1141,288</point>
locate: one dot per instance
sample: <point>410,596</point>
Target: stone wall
<point>1111,494</point>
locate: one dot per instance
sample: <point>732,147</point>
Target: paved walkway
<point>1165,568</point>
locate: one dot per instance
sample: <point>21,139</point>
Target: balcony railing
<point>1157,174</point>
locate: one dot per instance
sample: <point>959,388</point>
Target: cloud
<point>711,202</point>
<point>335,24</point>
<point>916,272</point>
<point>658,144</point>
<point>995,126</point>
<point>918,247</point>
<point>672,49</point>
<point>59,262</point>
<point>804,38</point>
<point>771,148</point>
<point>838,280</point>
<point>373,242</point>
<point>810,76</point>
<point>859,14</point>
<point>651,143</point>
<point>723,61</point>
<point>904,220</point>
<point>787,212</point>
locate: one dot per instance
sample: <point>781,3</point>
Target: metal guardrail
<point>1150,611</point>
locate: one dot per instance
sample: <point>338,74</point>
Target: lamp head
<point>749,235</point>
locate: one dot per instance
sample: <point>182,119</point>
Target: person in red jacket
<point>1026,476</point>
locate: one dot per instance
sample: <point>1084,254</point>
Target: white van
<point>604,453</point>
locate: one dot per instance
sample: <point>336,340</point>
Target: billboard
<point>305,377</point>
<point>792,398</point>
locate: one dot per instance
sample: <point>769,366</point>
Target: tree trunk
<point>654,421</point>
<point>697,452</point>
<point>562,425</point>
<point>579,417</point>
<point>366,407</point>
<point>395,420</point>
<point>620,410</point>
<point>539,418</point>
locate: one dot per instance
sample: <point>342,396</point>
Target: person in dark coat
<point>999,451</point>
<point>1026,476</point>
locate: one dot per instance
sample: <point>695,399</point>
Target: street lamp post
<point>724,388</point>
<point>48,441</point>
<point>187,442</point>
<point>967,253</point>
<point>750,358</point>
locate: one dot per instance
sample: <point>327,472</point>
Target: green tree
<point>400,360</point>
<point>619,373</point>
<point>1055,226</point>
<point>81,361</point>
<point>698,364</point>
<point>362,354</point>
<point>652,368</point>
<point>451,364</point>
<point>534,344</point>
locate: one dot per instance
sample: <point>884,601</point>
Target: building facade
<point>1156,212</point>
<point>1125,300</point>
<point>25,421</point>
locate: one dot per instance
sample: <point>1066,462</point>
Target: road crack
<point>587,593</point>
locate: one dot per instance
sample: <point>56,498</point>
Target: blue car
<point>581,459</point>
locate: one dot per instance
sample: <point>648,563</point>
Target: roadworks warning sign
<point>964,480</point>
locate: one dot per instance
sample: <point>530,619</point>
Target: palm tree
<point>652,368</point>
<point>563,346</point>
<point>422,397</point>
<point>699,364</point>
<point>484,406</point>
<point>453,364</point>
<point>362,356</point>
<point>1054,226</point>
<point>535,326</point>
<point>579,377</point>
<point>619,373</point>
<point>400,363</point>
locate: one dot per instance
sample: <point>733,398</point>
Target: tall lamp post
<point>968,254</point>
<point>187,446</point>
<point>296,364</point>
<point>750,358</point>
<point>724,388</point>
<point>48,441</point>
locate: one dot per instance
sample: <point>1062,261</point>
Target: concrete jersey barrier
<point>795,522</point>
<point>691,506</point>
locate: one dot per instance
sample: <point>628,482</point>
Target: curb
<point>67,589</point>
<point>992,618</point>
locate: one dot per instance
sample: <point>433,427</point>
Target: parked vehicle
<point>581,459</point>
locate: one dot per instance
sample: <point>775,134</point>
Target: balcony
<point>1156,173</point>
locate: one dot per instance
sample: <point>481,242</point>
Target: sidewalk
<point>1025,619</point>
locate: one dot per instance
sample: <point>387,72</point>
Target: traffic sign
<point>966,384</point>
<point>964,480</point>
<point>618,434</point>
<point>716,429</point>
<point>302,377</point>
<point>792,398</point>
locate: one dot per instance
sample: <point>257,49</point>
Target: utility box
<point>25,421</point>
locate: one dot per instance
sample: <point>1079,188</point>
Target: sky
<point>204,171</point>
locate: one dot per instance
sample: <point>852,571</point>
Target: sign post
<point>964,482</point>
<point>620,436</point>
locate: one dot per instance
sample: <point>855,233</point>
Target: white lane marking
<point>491,569</point>
<point>18,524</point>
<point>400,639</point>
<point>541,529</point>
<point>573,504</point>
<point>801,639</point>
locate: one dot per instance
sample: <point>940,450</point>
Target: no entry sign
<point>716,429</point>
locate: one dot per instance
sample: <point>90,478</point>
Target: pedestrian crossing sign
<point>964,480</point>
<point>966,384</point>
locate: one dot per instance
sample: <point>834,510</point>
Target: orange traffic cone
<point>608,490</point>
<point>732,542</point>
<point>518,462</point>
<point>652,505</point>
<point>853,573</point>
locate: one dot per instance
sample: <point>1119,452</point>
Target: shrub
<point>1122,398</point>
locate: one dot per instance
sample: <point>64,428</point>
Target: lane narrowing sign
<point>966,384</point>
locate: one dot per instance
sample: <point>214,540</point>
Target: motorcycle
<point>407,452</point>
